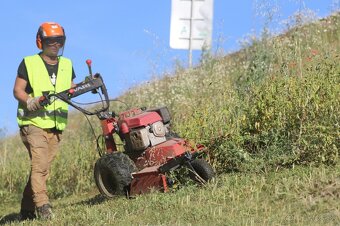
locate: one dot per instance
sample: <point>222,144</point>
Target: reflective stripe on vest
<point>54,115</point>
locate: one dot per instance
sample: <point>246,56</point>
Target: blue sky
<point>128,40</point>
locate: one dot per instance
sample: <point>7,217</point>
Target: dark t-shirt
<point>52,71</point>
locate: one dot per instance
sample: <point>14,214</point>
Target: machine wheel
<point>112,173</point>
<point>202,173</point>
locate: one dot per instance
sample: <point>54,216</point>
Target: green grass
<point>269,115</point>
<point>299,196</point>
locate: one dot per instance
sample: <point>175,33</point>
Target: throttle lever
<point>89,62</point>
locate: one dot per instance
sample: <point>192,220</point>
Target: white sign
<point>191,24</point>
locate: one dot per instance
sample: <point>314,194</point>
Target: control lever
<point>89,62</point>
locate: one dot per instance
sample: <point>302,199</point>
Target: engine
<point>144,128</point>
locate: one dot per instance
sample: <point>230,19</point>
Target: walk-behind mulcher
<point>151,149</point>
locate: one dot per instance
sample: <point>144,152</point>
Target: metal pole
<point>190,34</point>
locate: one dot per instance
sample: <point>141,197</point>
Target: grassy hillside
<point>273,104</point>
<point>298,196</point>
<point>270,116</point>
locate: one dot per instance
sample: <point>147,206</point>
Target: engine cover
<point>141,138</point>
<point>157,133</point>
<point>143,119</point>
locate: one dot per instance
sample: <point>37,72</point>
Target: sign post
<point>191,25</point>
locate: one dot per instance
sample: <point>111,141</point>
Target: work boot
<point>45,212</point>
<point>27,215</point>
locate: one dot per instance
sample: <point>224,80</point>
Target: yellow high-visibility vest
<point>54,115</point>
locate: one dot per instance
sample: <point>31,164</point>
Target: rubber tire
<point>203,169</point>
<point>112,174</point>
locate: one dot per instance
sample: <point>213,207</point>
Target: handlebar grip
<point>44,99</point>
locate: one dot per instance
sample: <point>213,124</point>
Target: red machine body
<point>147,180</point>
<point>151,148</point>
<point>143,119</point>
<point>145,132</point>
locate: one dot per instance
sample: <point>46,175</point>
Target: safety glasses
<point>55,40</point>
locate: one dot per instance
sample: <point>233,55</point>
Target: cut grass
<point>299,196</point>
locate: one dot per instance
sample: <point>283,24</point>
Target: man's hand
<point>33,104</point>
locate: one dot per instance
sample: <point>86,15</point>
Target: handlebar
<point>90,84</point>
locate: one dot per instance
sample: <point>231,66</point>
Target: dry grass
<point>269,115</point>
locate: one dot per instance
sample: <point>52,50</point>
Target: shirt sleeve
<point>22,71</point>
<point>73,74</point>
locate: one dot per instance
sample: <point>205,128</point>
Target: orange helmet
<point>49,30</point>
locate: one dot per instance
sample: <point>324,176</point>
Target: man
<point>41,127</point>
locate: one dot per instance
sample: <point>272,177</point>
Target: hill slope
<point>272,106</point>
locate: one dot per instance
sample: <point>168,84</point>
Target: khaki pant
<point>42,146</point>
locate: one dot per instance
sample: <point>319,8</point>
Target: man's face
<point>51,46</point>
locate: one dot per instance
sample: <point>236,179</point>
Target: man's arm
<point>31,103</point>
<point>19,90</point>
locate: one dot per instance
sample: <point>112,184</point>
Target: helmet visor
<point>55,40</point>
